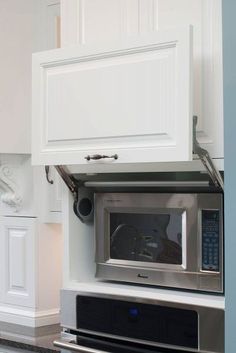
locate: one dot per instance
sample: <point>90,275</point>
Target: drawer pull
<point>97,157</point>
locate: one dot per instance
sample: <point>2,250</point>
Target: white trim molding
<point>25,317</point>
<point>11,193</point>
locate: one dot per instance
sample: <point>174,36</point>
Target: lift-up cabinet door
<point>130,99</point>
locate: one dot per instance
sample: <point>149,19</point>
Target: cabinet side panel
<point>16,260</point>
<point>18,251</point>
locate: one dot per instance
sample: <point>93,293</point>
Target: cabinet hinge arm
<point>206,158</point>
<point>67,179</point>
<point>47,170</point>
<point>83,199</point>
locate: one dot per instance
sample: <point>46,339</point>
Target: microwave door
<point>154,239</point>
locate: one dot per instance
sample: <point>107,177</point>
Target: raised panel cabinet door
<point>18,260</point>
<point>131,99</point>
<point>89,21</point>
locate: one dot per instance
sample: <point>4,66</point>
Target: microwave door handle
<point>75,347</point>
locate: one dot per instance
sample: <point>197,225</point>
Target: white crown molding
<point>11,193</point>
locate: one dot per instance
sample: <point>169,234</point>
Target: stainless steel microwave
<point>173,240</point>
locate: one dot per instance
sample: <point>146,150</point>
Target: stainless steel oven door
<point>104,346</point>
<point>155,239</point>
<point>210,325</point>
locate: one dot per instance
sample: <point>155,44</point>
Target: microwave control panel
<point>210,240</point>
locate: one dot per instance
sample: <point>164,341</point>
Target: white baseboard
<point>29,318</point>
<point>47,317</point>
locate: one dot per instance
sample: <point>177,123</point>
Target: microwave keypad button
<point>210,240</point>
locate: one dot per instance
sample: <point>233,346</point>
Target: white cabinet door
<point>131,98</point>
<point>88,21</point>
<point>18,260</point>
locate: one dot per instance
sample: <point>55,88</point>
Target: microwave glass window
<point>149,237</point>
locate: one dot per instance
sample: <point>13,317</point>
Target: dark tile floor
<point>5,349</point>
<point>16,344</point>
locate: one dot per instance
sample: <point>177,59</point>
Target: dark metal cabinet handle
<point>76,348</point>
<point>96,157</point>
<point>47,174</point>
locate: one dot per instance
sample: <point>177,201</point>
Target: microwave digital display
<point>210,240</point>
<point>147,237</point>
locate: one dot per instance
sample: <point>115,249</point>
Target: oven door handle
<point>71,346</point>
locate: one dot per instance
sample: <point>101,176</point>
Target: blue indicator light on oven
<point>133,312</point>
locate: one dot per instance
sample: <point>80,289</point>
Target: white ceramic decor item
<point>10,190</point>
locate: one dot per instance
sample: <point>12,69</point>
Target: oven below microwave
<point>172,240</point>
<point>102,323</point>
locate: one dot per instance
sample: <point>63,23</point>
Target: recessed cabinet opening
<point>165,230</point>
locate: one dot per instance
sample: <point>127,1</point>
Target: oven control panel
<point>210,240</point>
<point>138,321</point>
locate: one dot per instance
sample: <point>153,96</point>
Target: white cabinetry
<point>51,213</point>
<point>91,21</point>
<point>30,251</point>
<point>52,20</point>
<point>18,260</point>
<point>30,276</point>
<point>86,21</point>
<point>83,107</point>
<point>52,39</point>
<point>55,193</point>
<point>131,100</point>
